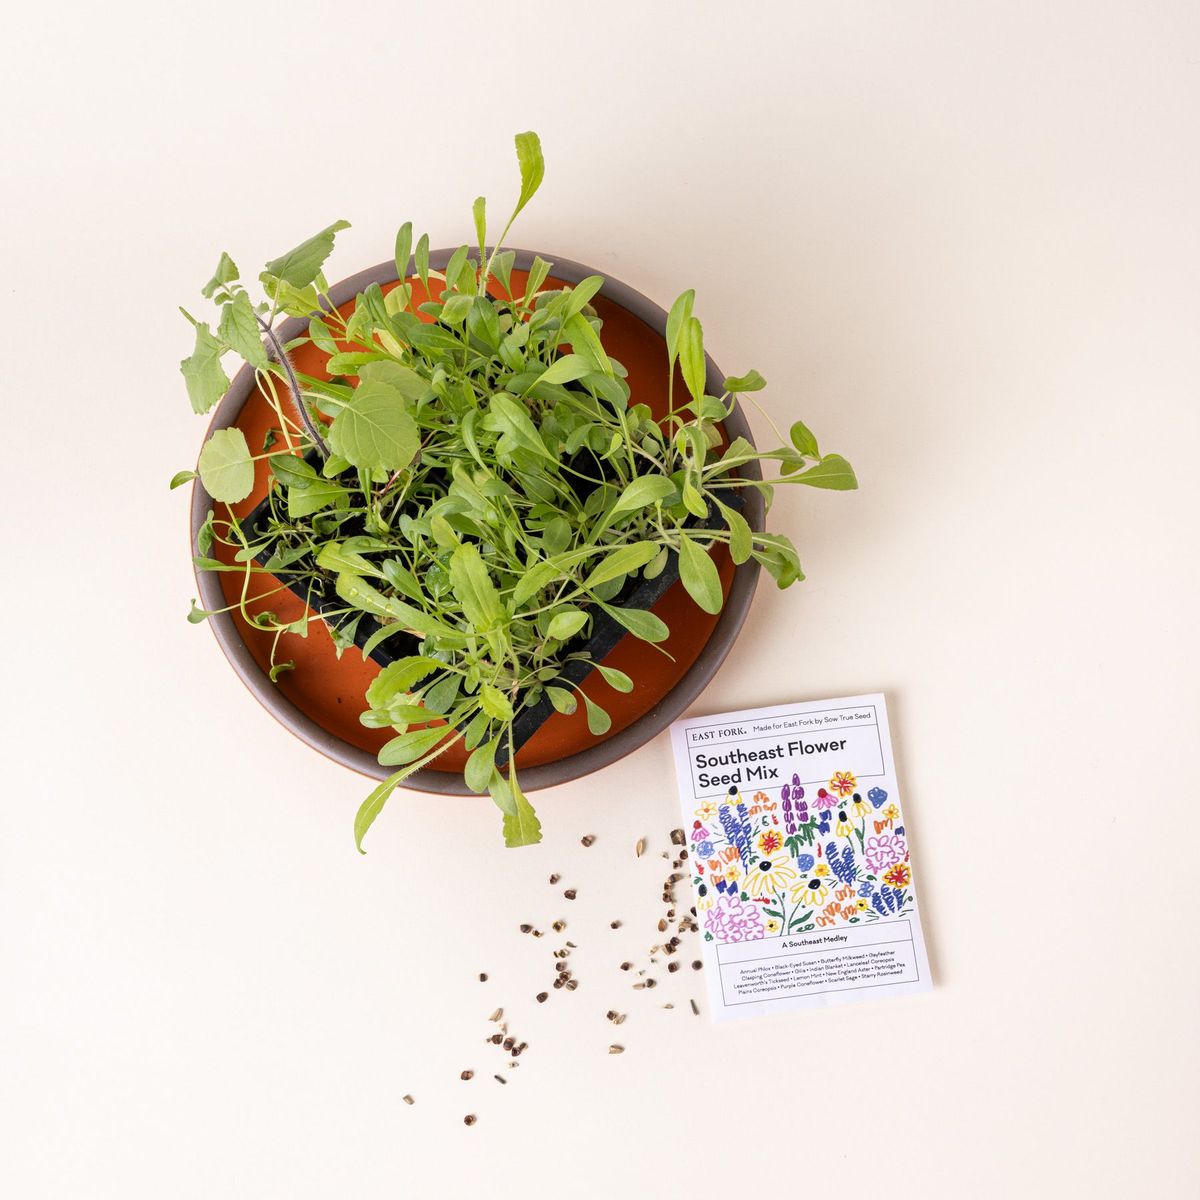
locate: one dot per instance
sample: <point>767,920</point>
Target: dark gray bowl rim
<point>584,762</point>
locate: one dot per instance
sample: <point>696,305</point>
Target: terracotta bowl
<point>321,699</point>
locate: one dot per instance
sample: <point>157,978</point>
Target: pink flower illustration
<point>883,851</point>
<point>824,799</point>
<point>731,920</point>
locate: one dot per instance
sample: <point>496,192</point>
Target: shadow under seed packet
<point>799,856</point>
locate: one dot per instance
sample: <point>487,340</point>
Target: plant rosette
<point>470,493</point>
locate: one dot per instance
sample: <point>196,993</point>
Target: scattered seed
<point>587,840</point>
<point>554,879</point>
<point>627,966</point>
<point>668,1006</point>
<point>561,968</point>
<point>697,965</point>
<point>482,977</point>
<point>683,855</point>
<point>637,987</point>
<point>467,1075</point>
<point>496,1015</point>
<point>537,933</point>
<point>569,893</point>
<point>662,925</point>
<point>640,848</point>
<point>559,926</point>
<point>572,984</point>
<point>616,1049</point>
<point>695,1009</point>
<point>542,997</point>
<point>571,944</point>
<point>615,1017</point>
<point>672,967</point>
<point>496,1039</point>
<point>560,980</point>
<point>408,1100</point>
<point>526,928</point>
<point>614,924</point>
<point>499,1079</point>
<point>677,838</point>
<point>509,1043</point>
<point>469,1119</point>
<point>651,983</point>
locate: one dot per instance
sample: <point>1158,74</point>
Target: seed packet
<point>799,856</point>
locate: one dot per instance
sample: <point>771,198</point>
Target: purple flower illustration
<point>883,851</point>
<point>734,920</point>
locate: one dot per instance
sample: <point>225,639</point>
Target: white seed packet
<point>799,856</point>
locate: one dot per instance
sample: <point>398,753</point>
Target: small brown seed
<point>616,1049</point>
<point>683,855</point>
<point>559,926</point>
<point>651,983</point>
<point>677,838</point>
<point>640,848</point>
<point>526,928</point>
<point>672,967</point>
<point>618,1018</point>
<point>627,966</point>
<point>668,1006</point>
<point>637,987</point>
<point>572,984</point>
<point>569,893</point>
<point>614,924</point>
<point>695,1009</point>
<point>537,933</point>
<point>571,944</point>
<point>509,1043</point>
<point>469,1119</point>
<point>496,1039</point>
<point>542,997</point>
<point>697,965</point>
<point>554,879</point>
<point>500,1079</point>
<point>560,980</point>
<point>587,840</point>
<point>467,1075</point>
<point>561,968</point>
<point>408,1099</point>
<point>496,1015</point>
<point>482,977</point>
<point>662,926</point>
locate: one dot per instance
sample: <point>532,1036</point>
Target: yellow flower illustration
<point>810,891</point>
<point>771,925</point>
<point>770,875</point>
<point>844,827</point>
<point>733,871</point>
<point>892,813</point>
<point>703,902</point>
<point>862,904</point>
<point>822,869</point>
<point>843,783</point>
<point>769,841</point>
<point>898,876</point>
<point>859,807</point>
<point>706,811</point>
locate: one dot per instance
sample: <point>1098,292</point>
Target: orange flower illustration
<point>843,783</point>
<point>898,876</point>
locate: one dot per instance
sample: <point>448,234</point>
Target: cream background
<point>961,240</point>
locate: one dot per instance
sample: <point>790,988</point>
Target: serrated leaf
<point>202,371</point>
<point>374,430</point>
<point>226,468</point>
<point>225,273</point>
<point>532,166</point>
<point>700,576</point>
<point>521,826</point>
<point>302,264</point>
<point>495,703</point>
<point>240,332</point>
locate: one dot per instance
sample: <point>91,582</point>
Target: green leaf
<point>202,371</point>
<point>566,369</point>
<point>416,743</point>
<point>197,615</point>
<point>374,430</point>
<point>301,265</point>
<point>598,721</point>
<point>562,700</point>
<point>533,166</point>
<point>512,418</point>
<point>752,381</point>
<point>681,311</point>
<point>566,622</point>
<point>640,622</point>
<point>226,468</point>
<point>371,807</point>
<point>315,496</point>
<point>494,702</point>
<point>615,679</point>
<point>473,588</point>
<point>700,576</point>
<point>480,765</point>
<point>642,492</point>
<point>538,272</point>
<point>279,668</point>
<point>333,558</point>
<point>404,379</point>
<point>454,311</point>
<point>521,827</point>
<point>399,678</point>
<point>403,250</point>
<point>804,440</point>
<point>832,472</point>
<point>421,255</point>
<point>741,542</point>
<point>226,272</point>
<point>580,296</point>
<point>239,331</point>
<point>358,593</point>
<point>479,212</point>
<point>691,357</point>
<point>181,477</point>
<point>622,561</point>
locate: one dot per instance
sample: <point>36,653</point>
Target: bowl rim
<point>591,758</point>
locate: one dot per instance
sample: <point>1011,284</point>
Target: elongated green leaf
<point>538,272</point>
<point>691,357</point>
<point>371,807</point>
<point>202,371</point>
<point>226,469</point>
<point>479,212</point>
<point>804,440</point>
<point>398,678</point>
<point>700,576</point>
<point>314,496</point>
<point>181,477</point>
<point>473,588</point>
<point>562,700</point>
<point>301,265</point>
<point>832,472</point>
<point>480,765</point>
<point>752,381</point>
<point>566,369</point>
<point>566,622</point>
<point>358,593</point>
<point>642,492</point>
<point>512,418</point>
<point>640,622</point>
<point>615,679</point>
<point>680,312</point>
<point>620,562</point>
<point>740,540</point>
<point>403,250</point>
<point>521,826</point>
<point>416,743</point>
<point>239,331</point>
<point>333,558</point>
<point>580,296</point>
<point>374,430</point>
<point>533,166</point>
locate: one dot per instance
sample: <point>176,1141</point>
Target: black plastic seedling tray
<point>606,633</point>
